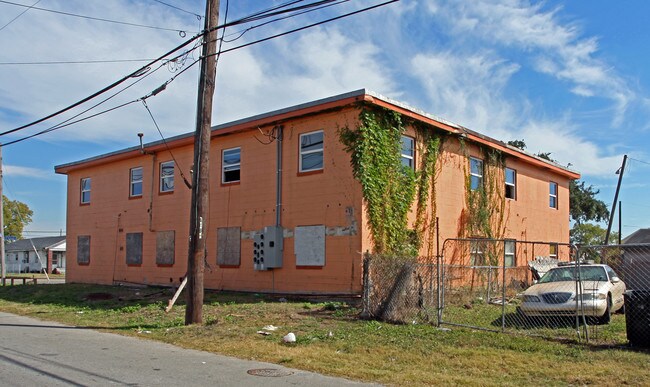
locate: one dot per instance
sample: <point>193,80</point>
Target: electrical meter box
<point>268,248</point>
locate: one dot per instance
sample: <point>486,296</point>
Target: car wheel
<point>607,316</point>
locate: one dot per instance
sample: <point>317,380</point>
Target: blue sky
<point>571,79</point>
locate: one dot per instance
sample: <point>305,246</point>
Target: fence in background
<point>495,285</point>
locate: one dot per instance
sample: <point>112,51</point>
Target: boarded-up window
<point>309,245</point>
<point>83,249</point>
<point>165,247</point>
<point>228,246</point>
<point>134,248</point>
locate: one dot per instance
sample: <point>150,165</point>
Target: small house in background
<point>35,254</point>
<point>286,212</point>
<point>636,260</point>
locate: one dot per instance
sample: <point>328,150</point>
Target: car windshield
<point>569,273</point>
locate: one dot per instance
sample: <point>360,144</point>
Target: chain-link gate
<point>597,293</point>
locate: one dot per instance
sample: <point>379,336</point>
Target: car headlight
<point>528,298</point>
<point>593,296</point>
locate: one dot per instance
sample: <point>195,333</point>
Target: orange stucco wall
<point>331,198</point>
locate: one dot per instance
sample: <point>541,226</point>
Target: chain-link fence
<point>625,291</point>
<point>597,293</point>
<point>400,289</point>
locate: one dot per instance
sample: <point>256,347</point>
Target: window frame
<point>224,166</point>
<point>513,254</point>
<point>477,176</point>
<point>82,191</point>
<point>161,187</point>
<point>303,153</point>
<point>553,197</point>
<point>409,158</point>
<point>512,184</point>
<point>477,249</point>
<point>133,183</point>
<point>553,250</point>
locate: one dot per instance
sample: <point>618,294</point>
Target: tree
<point>518,144</point>
<point>589,234</point>
<point>16,215</point>
<point>584,206</point>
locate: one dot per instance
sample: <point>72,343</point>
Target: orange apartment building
<point>128,211</point>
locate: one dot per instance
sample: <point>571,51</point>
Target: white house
<point>35,254</point>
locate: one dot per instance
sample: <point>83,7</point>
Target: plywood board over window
<point>309,245</point>
<point>134,248</point>
<point>83,249</point>
<point>229,246</point>
<point>165,246</point>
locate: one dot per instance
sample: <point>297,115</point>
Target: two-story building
<point>287,176</point>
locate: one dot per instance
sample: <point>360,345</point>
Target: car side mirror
<point>615,280</point>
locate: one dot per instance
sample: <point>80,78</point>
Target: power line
<point>308,26</point>
<point>181,32</point>
<point>135,73</point>
<point>19,15</point>
<point>187,183</point>
<point>77,62</point>
<point>640,161</point>
<point>180,9</point>
<point>145,69</point>
<point>69,121</point>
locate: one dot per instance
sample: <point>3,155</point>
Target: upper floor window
<point>231,165</point>
<point>408,152</point>
<point>511,184</point>
<point>167,176</point>
<point>311,151</point>
<point>476,173</point>
<point>85,190</point>
<point>552,189</point>
<point>136,182</point>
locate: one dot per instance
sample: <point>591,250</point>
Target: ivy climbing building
<point>299,194</point>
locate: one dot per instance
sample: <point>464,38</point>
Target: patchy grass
<point>357,349</point>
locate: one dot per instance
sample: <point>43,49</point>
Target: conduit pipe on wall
<point>153,179</point>
<point>278,192</point>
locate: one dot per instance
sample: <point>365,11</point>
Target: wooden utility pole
<point>2,227</point>
<point>620,172</point>
<point>199,210</point>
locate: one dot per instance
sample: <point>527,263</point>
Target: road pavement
<point>42,353</point>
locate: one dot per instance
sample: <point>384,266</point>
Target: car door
<point>617,289</point>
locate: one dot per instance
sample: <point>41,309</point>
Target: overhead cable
<point>95,18</point>
<point>256,15</point>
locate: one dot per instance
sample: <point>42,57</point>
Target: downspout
<point>278,192</point>
<point>278,188</point>
<point>153,175</point>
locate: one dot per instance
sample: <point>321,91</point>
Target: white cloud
<point>467,89</point>
<point>19,171</point>
<point>558,48</point>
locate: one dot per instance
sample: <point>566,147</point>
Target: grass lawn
<point>363,350</point>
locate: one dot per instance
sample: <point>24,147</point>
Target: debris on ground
<point>289,338</point>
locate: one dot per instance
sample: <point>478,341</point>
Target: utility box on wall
<point>268,248</point>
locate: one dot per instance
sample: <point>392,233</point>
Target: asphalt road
<point>41,353</point>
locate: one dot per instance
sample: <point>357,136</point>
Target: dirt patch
<point>98,296</point>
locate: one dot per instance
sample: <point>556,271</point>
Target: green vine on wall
<point>485,213</point>
<point>389,188</point>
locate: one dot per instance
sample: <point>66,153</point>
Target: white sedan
<point>594,291</point>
